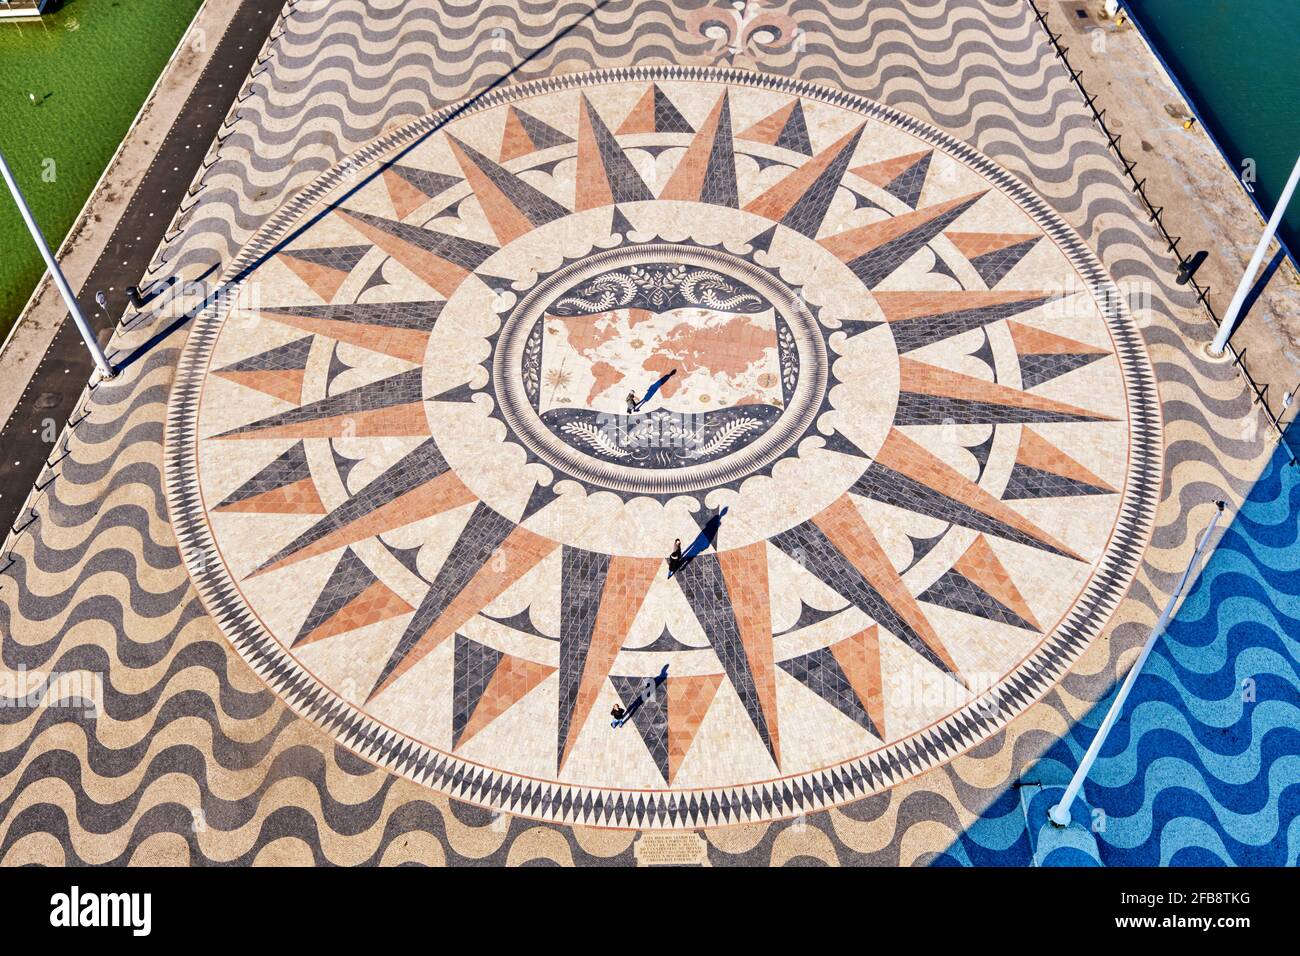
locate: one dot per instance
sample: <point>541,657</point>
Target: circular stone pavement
<point>896,414</point>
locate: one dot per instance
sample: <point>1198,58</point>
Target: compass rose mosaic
<point>429,452</point>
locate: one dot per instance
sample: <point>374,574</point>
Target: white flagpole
<point>1243,288</point>
<point>92,343</point>
<point>1060,814</point>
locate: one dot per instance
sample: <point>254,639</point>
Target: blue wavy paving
<point>1203,769</point>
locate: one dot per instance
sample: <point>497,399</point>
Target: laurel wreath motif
<point>594,438</point>
<point>727,436</point>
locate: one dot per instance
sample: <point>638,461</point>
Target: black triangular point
<point>667,118</point>
<point>764,239</point>
<point>619,223</point>
<point>461,393</point>
<point>862,202</point>
<point>851,327</point>
<point>836,442</point>
<point>496,283</point>
<point>542,495</point>
<point>426,181</point>
<point>794,135</point>
<point>543,135</point>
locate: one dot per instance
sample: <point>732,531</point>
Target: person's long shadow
<point>654,389</point>
<point>637,701</point>
<point>705,540</point>
<point>224,291</point>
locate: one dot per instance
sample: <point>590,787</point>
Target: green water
<point>90,64</point>
<point>1239,61</point>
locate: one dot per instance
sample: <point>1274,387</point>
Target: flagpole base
<point>1059,815</point>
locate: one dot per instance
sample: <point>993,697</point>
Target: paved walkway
<point>1201,768</point>
<point>58,379</point>
<point>1201,198</point>
<point>421,530</point>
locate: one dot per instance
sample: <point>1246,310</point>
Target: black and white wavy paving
<point>191,759</point>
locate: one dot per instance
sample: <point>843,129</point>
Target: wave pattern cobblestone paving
<point>965,269</point>
<point>1199,771</point>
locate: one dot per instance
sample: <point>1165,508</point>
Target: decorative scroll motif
<point>659,286</point>
<point>661,438</point>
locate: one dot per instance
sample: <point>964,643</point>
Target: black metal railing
<point>1154,215</point>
